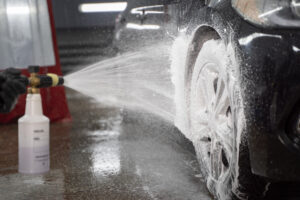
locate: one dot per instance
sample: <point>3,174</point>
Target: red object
<point>54,99</point>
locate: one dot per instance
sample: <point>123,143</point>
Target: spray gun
<point>34,156</point>
<point>36,81</point>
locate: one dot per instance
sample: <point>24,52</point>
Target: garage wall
<point>67,15</point>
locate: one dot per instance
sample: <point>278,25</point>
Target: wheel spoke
<point>219,90</point>
<point>224,134</point>
<point>222,103</point>
<point>211,76</point>
<point>204,91</point>
<point>207,87</point>
<point>215,160</point>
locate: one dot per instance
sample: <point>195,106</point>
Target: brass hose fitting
<point>37,81</point>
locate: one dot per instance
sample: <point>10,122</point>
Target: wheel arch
<point>201,34</point>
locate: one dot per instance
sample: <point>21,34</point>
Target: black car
<point>142,23</point>
<point>237,86</point>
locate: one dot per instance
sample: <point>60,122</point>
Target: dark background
<point>67,15</point>
<point>83,38</point>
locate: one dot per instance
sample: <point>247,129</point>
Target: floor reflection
<point>105,153</point>
<point>18,186</point>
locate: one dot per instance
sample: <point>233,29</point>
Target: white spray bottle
<point>33,135</point>
<point>34,156</point>
<point>34,138</point>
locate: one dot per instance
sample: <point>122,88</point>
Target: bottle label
<point>41,146</point>
<point>34,148</point>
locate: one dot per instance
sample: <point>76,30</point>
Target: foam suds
<point>227,57</point>
<point>178,57</point>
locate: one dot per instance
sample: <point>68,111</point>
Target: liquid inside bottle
<point>33,138</point>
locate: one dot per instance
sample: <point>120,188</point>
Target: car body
<point>268,55</point>
<point>142,23</point>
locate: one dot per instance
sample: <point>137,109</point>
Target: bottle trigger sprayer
<point>33,134</point>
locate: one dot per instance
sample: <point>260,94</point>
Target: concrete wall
<point>67,15</point>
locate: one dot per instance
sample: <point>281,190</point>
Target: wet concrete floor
<point>106,153</point>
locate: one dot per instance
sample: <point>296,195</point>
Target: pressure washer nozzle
<point>43,80</point>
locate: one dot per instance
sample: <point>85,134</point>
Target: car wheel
<point>217,123</point>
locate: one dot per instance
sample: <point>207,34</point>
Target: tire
<point>216,121</point>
